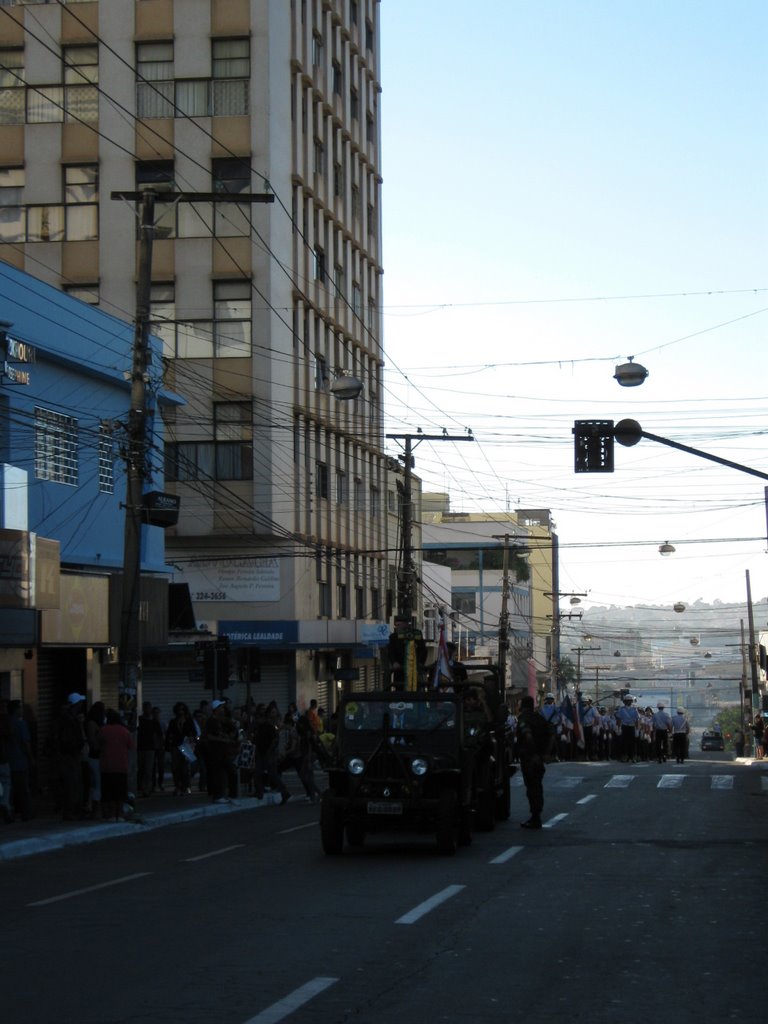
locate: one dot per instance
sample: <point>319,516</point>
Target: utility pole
<point>578,663</point>
<point>504,616</point>
<point>406,595</point>
<point>136,447</point>
<point>755,702</point>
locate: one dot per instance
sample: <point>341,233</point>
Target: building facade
<point>64,401</point>
<point>266,310</point>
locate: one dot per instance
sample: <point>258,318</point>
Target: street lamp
<point>666,548</point>
<point>345,387</point>
<point>630,374</point>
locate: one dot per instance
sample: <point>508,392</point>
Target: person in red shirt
<point>116,745</point>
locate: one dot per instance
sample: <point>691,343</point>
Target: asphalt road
<point>640,901</point>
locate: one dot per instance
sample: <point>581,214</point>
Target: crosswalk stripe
<point>764,782</point>
<point>619,781</point>
<point>722,782</point>
<point>670,781</point>
<point>569,782</point>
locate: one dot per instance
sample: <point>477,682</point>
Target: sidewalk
<point>48,832</point>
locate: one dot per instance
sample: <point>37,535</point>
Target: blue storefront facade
<point>64,404</point>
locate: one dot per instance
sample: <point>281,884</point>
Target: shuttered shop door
<point>164,687</point>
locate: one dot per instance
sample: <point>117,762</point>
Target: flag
<point>570,711</point>
<point>443,663</point>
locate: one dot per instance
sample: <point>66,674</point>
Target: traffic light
<point>593,446</point>
<point>215,658</point>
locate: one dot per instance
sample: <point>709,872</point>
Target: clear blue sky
<point>567,184</point>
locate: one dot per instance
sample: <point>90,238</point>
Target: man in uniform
<point>628,717</point>
<point>680,730</point>
<point>662,725</point>
<point>533,734</point>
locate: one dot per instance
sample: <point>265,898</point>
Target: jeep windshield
<point>423,716</point>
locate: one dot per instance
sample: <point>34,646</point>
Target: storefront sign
<point>279,633</point>
<point>234,579</point>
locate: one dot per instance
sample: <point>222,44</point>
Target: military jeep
<point>418,762</point>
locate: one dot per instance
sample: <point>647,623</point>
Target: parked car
<point>712,741</point>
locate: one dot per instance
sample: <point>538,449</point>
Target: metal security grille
<point>55,447</point>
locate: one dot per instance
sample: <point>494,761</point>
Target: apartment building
<point>267,310</point>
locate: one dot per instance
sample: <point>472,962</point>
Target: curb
<point>27,847</point>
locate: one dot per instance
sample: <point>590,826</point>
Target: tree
<point>729,720</point>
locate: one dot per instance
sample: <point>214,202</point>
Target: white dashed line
<point>430,904</point>
<point>619,782</point>
<point>722,782</point>
<point>586,799</point>
<point>213,853</point>
<point>553,821</point>
<point>91,888</point>
<point>670,781</point>
<point>284,1007</point>
<point>507,855</point>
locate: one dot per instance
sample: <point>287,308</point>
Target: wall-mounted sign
<point>17,352</point>
<point>234,579</point>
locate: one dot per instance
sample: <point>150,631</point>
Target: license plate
<point>384,807</point>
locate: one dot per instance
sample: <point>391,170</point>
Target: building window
<point>12,92</point>
<point>319,157</point>
<point>317,50</point>
<point>359,603</point>
<point>154,80</point>
<point>159,172</point>
<point>232,176</point>
<point>162,316</point>
<point>341,487</point>
<point>189,460</point>
<point>233,434</point>
<point>106,459</point>
<point>318,260</point>
<point>45,104</point>
<point>369,36</point>
<point>231,319</point>
<point>231,61</point>
<point>55,447</point>
<point>342,593</point>
<point>322,376</point>
<point>354,104</point>
<point>324,594</point>
<point>321,479</point>
<point>375,603</point>
<point>81,75</point>
<point>374,511</point>
<point>81,202</point>
<point>338,78</point>
<point>12,216</point>
<point>88,293</point>
<point>370,128</point>
<point>464,604</point>
<point>359,495</point>
<point>45,223</point>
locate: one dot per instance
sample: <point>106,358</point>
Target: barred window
<point>12,214</point>
<point>55,447</point>
<point>11,86</point>
<point>81,73</point>
<point>106,459</point>
<point>232,318</point>
<point>81,202</point>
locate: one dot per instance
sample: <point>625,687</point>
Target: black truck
<point>420,762</point>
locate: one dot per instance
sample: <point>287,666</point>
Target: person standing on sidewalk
<point>148,734</point>
<point>116,745</point>
<point>758,734</point>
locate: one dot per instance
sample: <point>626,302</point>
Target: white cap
<point>75,698</point>
<point>217,704</point>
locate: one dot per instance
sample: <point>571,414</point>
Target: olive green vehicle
<point>417,762</point>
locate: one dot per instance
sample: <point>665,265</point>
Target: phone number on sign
<point>210,595</point>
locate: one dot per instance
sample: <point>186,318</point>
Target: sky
<point>568,183</point>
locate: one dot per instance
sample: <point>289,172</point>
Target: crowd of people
<point>584,731</point>
<point>97,765</point>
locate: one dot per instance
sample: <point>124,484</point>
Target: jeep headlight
<point>355,766</point>
<point>419,766</point>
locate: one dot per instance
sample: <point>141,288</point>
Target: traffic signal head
<point>593,446</point>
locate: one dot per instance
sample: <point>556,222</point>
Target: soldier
<point>533,738</point>
<point>628,717</point>
<point>662,725</point>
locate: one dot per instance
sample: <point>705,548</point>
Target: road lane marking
<point>670,781</point>
<point>553,821</point>
<point>586,799</point>
<point>722,782</point>
<point>619,782</point>
<point>214,853</point>
<point>506,855</point>
<point>569,782</point>
<point>298,828</point>
<point>430,904</point>
<point>91,888</point>
<point>764,782</point>
<point>284,1007</point>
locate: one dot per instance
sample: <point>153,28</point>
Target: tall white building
<point>261,308</point>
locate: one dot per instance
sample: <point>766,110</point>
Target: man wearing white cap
<point>662,726</point>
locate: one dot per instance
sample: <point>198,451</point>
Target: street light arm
<point>629,432</point>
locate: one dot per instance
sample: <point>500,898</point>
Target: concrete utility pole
<point>406,595</point>
<point>136,447</point>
